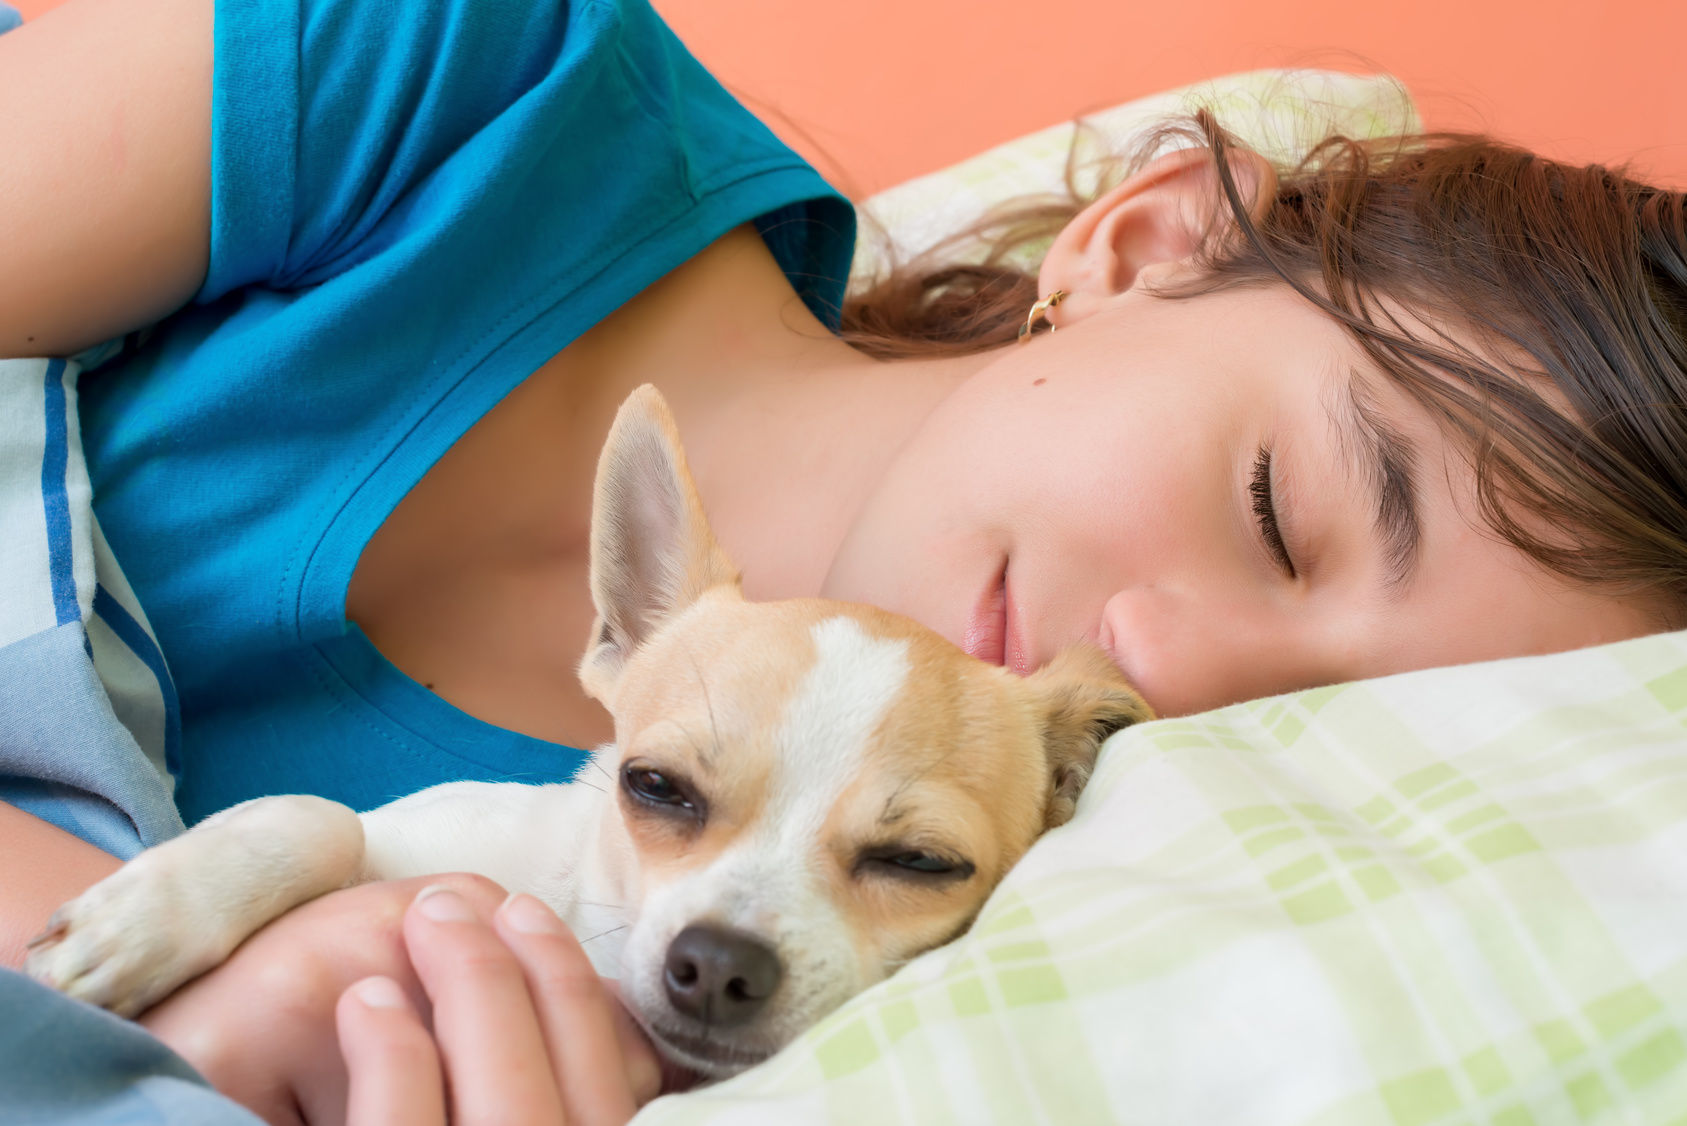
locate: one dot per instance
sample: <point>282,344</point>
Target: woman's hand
<point>523,1029</point>
<point>261,1026</point>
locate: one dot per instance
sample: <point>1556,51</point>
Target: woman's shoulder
<point>342,127</point>
<point>386,269</point>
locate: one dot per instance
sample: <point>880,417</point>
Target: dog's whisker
<point>709,706</point>
<point>704,751</point>
<point>604,934</point>
<point>698,745</point>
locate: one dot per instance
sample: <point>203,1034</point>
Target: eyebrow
<point>1387,460</point>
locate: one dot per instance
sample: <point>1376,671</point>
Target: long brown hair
<point>1560,292</point>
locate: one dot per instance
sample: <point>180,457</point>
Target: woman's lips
<point>992,632</point>
<point>1013,644</point>
<point>986,631</point>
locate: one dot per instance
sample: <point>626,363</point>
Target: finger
<point>483,1020</point>
<point>394,1069</point>
<point>576,1013</point>
<point>650,1073</point>
<point>645,1070</point>
<point>259,1028</point>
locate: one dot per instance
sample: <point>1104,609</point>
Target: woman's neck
<point>784,425</point>
<point>785,428</point>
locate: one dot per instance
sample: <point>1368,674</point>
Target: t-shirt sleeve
<point>330,117</point>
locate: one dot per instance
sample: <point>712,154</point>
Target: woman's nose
<point>1187,650</point>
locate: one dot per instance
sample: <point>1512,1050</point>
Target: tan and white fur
<point>801,796</point>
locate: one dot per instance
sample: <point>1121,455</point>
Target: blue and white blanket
<point>89,727</point>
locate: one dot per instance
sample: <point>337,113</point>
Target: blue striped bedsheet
<point>90,727</point>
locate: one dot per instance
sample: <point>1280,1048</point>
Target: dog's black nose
<point>719,976</point>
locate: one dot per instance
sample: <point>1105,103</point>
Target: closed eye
<point>1265,511</point>
<point>912,863</point>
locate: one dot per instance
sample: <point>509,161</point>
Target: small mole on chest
<point>1039,381</point>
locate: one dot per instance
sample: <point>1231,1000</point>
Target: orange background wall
<point>879,90</point>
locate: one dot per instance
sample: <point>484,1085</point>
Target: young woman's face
<point>1117,481</point>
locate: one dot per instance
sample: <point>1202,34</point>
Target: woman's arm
<point>45,866</point>
<point>105,170</point>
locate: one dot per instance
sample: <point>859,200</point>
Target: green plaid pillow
<point>1450,896</point>
<point>1279,113</point>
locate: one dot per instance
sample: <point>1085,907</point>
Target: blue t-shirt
<point>414,207</point>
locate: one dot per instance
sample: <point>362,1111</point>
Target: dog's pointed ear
<point>1084,700</point>
<point>652,551</point>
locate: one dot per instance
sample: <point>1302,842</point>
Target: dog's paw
<point>128,941</point>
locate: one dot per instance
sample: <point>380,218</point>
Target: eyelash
<point>1265,511</point>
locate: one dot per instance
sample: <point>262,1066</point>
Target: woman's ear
<point>1160,214</point>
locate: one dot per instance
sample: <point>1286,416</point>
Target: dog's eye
<point>653,786</point>
<point>913,862</point>
<point>921,862</point>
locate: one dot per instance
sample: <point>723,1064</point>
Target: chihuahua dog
<point>801,796</point>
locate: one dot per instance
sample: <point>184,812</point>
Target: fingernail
<point>379,993</point>
<point>443,905</point>
<point>529,916</point>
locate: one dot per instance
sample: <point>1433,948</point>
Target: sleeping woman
<point>385,279</point>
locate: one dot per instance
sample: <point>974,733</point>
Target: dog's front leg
<point>180,908</point>
<point>546,840</point>
<point>562,843</point>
